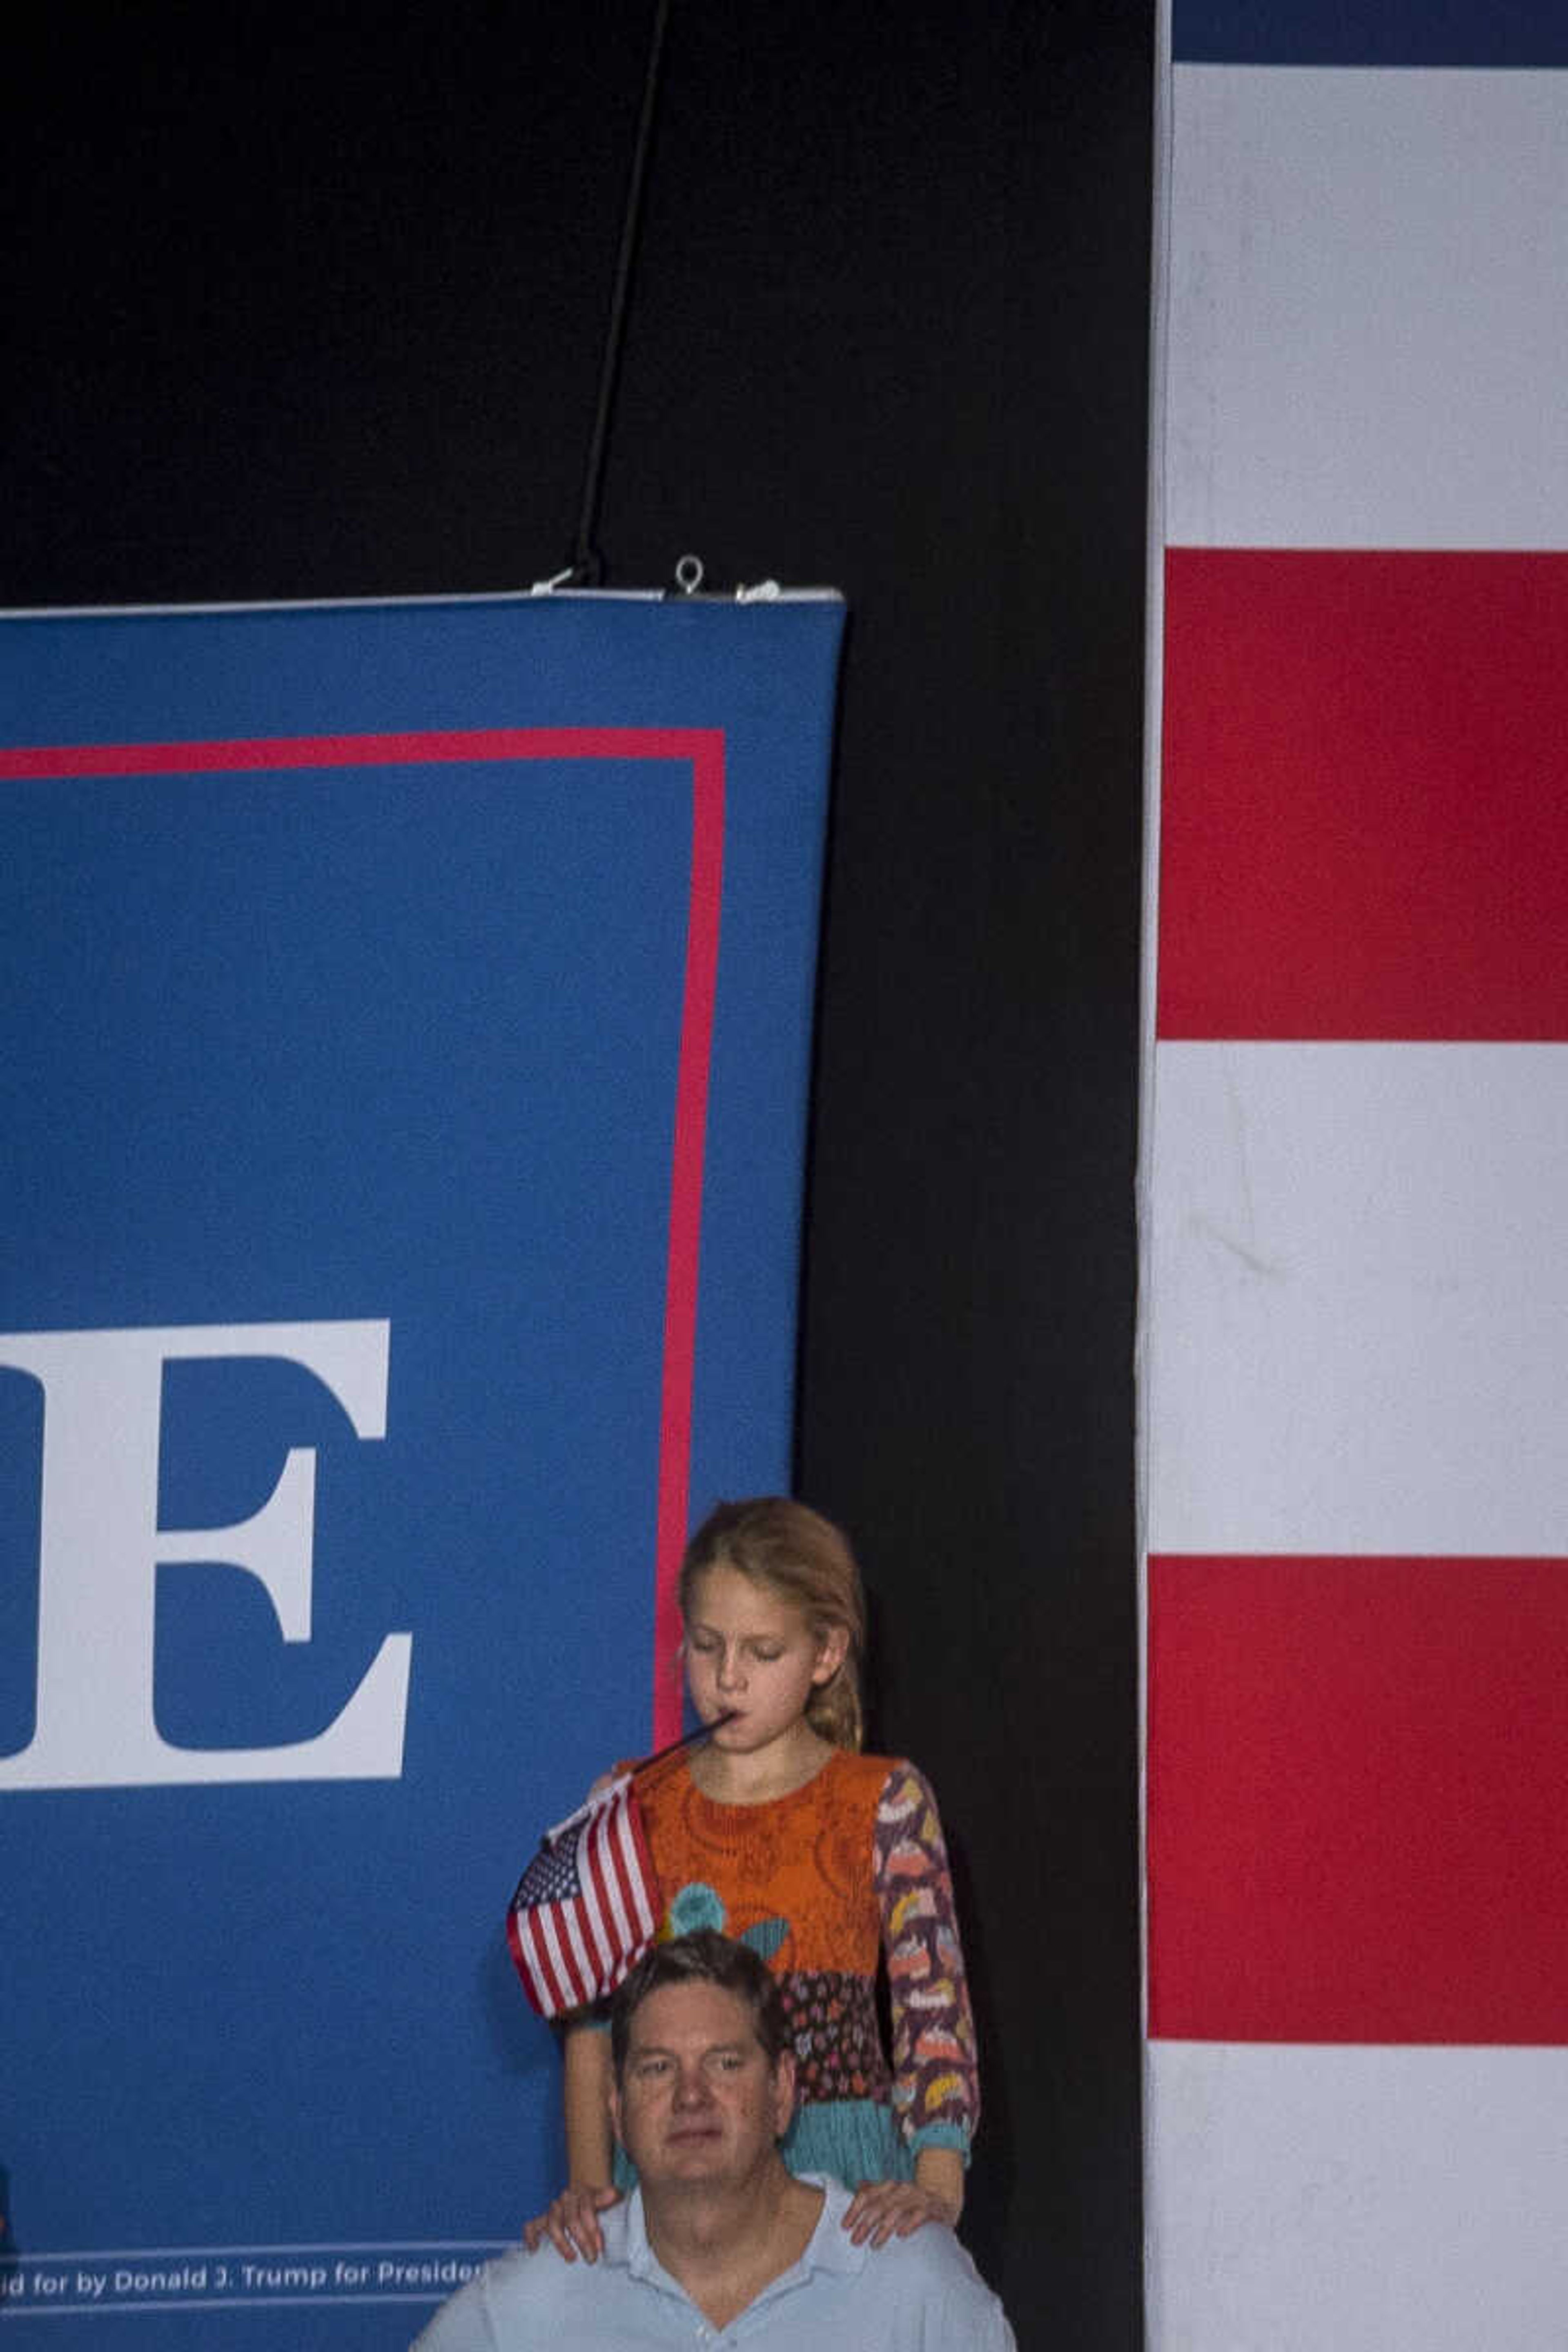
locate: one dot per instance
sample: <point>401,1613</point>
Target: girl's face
<point>749,1651</point>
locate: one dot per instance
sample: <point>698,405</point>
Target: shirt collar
<point>829,2247</point>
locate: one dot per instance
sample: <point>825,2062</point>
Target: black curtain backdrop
<point>311,304</point>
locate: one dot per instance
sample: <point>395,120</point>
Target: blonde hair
<point>801,1558</point>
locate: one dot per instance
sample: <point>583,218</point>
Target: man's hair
<point>705,1957</point>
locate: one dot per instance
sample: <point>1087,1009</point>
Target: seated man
<point>719,2243</point>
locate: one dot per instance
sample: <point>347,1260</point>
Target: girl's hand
<point>572,2223</point>
<point>880,2210</point>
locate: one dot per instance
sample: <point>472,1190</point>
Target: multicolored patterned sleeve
<point>936,2086</point>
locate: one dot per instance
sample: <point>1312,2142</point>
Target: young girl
<point>780,1833</point>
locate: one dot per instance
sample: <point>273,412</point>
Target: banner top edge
<point>744,601</point>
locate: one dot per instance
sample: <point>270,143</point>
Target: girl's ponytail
<point>833,1710</point>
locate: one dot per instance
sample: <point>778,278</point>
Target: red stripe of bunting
<point>1357,1825</point>
<point>1363,831</point>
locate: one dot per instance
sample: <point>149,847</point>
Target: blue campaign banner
<point>406,1024</point>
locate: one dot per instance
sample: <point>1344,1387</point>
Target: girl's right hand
<point>570,2223</point>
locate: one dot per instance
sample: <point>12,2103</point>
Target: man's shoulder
<point>929,2257</point>
<point>925,2280</point>
<point>539,2290</point>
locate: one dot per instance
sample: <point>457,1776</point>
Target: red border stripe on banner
<point>702,748</point>
<point>1365,775</point>
<point>686,1222</point>
<point>1358,1829</point>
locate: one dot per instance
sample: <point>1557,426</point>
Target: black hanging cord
<point>587,568</point>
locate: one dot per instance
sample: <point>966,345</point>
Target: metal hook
<point>688,574</point>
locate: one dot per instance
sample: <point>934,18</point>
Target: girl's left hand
<point>880,2210</point>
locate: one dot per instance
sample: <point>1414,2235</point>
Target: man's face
<point>699,2102</point>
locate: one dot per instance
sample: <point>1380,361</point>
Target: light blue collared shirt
<point>920,2294</point>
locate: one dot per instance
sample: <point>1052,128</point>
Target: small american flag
<point>587,1906</point>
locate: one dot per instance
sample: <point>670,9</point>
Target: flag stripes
<point>586,1906</point>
